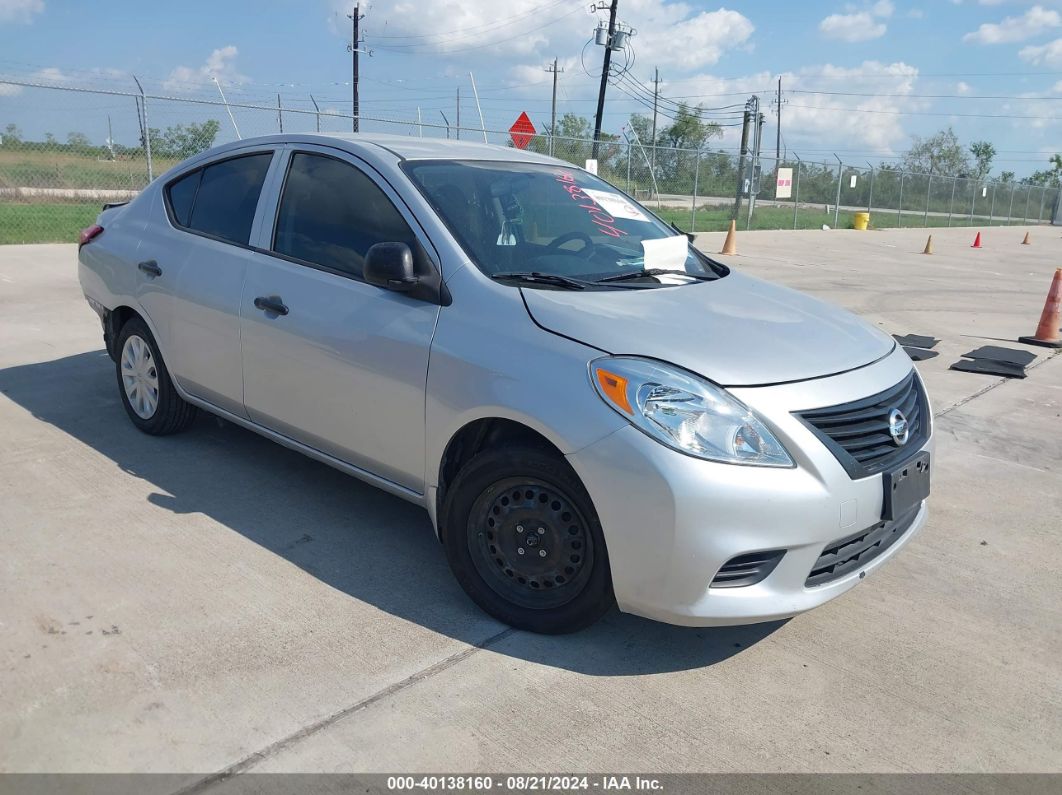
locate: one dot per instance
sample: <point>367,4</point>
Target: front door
<point>328,360</point>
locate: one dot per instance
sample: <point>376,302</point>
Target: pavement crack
<point>960,403</point>
<point>273,748</point>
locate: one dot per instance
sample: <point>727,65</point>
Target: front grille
<point>747,569</point>
<point>857,433</point>
<point>853,552</point>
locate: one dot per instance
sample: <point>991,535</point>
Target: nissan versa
<point>591,411</point>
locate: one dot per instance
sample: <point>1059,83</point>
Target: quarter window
<point>331,214</point>
<point>220,199</point>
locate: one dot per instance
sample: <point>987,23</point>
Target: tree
<point>940,154</point>
<point>984,153</point>
<point>12,134</point>
<point>1006,177</point>
<point>180,141</point>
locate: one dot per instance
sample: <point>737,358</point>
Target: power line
<point>477,29</point>
<point>927,113</point>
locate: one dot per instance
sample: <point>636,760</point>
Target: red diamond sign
<point>522,131</point>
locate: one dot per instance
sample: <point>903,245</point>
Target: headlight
<point>686,413</point>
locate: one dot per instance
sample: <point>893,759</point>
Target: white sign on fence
<point>591,165</point>
<point>784,188</point>
<point>852,181</point>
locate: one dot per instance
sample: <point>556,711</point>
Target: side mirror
<point>390,265</point>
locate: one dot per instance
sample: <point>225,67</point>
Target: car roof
<point>404,147</point>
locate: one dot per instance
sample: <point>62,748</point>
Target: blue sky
<point>859,78</point>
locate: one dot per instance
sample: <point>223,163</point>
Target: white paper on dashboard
<point>615,205</point>
<point>667,252</point>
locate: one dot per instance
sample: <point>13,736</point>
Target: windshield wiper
<point>542,278</point>
<point>622,277</point>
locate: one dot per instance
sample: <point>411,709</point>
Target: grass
<point>45,168</point>
<point>61,222</point>
<point>45,223</point>
<point>717,219</point>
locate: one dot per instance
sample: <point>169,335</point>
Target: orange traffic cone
<point>730,245</point>
<point>929,246</point>
<point>977,241</point>
<point>1047,333</point>
<point>1026,241</point>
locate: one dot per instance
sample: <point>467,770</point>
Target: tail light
<point>88,234</point>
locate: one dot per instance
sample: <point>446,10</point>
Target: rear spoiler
<point>112,205</point>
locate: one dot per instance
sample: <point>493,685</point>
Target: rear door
<point>342,366</point>
<point>192,268</point>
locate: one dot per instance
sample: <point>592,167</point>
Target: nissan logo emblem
<point>899,429</point>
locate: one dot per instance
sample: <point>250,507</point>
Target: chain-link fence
<point>53,185</point>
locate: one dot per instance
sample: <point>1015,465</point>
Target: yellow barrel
<point>862,221</point>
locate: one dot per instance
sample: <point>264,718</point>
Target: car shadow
<point>355,538</point>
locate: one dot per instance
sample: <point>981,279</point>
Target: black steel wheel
<point>525,542</point>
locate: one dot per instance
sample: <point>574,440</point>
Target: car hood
<point>736,331</point>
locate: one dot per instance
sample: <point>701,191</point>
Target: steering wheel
<point>587,250</point>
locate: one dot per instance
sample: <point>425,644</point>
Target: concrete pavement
<point>213,602</point>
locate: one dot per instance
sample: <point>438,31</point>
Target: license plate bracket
<point>905,487</point>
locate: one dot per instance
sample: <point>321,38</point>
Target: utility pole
<point>280,114</point>
<point>553,114</point>
<point>778,142</point>
<point>656,97</point>
<point>752,108</point>
<point>754,176</point>
<point>607,64</point>
<point>459,112</point>
<point>354,19</point>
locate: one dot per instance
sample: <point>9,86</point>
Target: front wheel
<point>523,539</point>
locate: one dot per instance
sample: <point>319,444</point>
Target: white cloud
<point>1049,54</point>
<point>962,87</point>
<point>221,63</point>
<point>870,120</point>
<point>8,90</point>
<point>20,10</point>
<point>858,25</point>
<point>669,34</point>
<point>1033,22</point>
<point>692,42</point>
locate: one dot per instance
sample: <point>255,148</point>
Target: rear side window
<point>227,197</point>
<point>220,199</point>
<point>331,213</point>
<point>182,194</point>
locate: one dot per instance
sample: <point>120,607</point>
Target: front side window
<point>331,213</point>
<point>554,220</point>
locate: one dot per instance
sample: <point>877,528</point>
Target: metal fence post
<point>1010,212</point>
<point>628,166</point>
<point>992,206</point>
<point>870,197</point>
<point>951,201</point>
<point>899,205</point>
<point>696,177</point>
<point>1025,214</point>
<point>973,202</point>
<point>147,131</point>
<point>796,190</point>
<point>929,188</point>
<point>837,205</point>
<point>1043,195</point>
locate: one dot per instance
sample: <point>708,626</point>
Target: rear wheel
<point>524,541</point>
<point>144,383</point>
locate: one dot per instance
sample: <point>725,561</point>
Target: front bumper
<point>671,521</point>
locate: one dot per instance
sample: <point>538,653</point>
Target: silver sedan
<point>592,412</point>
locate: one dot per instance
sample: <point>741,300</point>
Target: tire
<point>151,401</point>
<point>506,500</point>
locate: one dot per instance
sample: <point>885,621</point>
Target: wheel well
<point>480,435</point>
<point>112,327</point>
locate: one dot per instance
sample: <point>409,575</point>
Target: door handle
<point>150,267</point>
<point>271,303</point>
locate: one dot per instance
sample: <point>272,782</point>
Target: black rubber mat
<point>989,367</point>
<point>915,340</point>
<point>1009,355</point>
<point>920,354</point>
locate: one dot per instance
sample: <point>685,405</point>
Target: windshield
<point>525,219</point>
